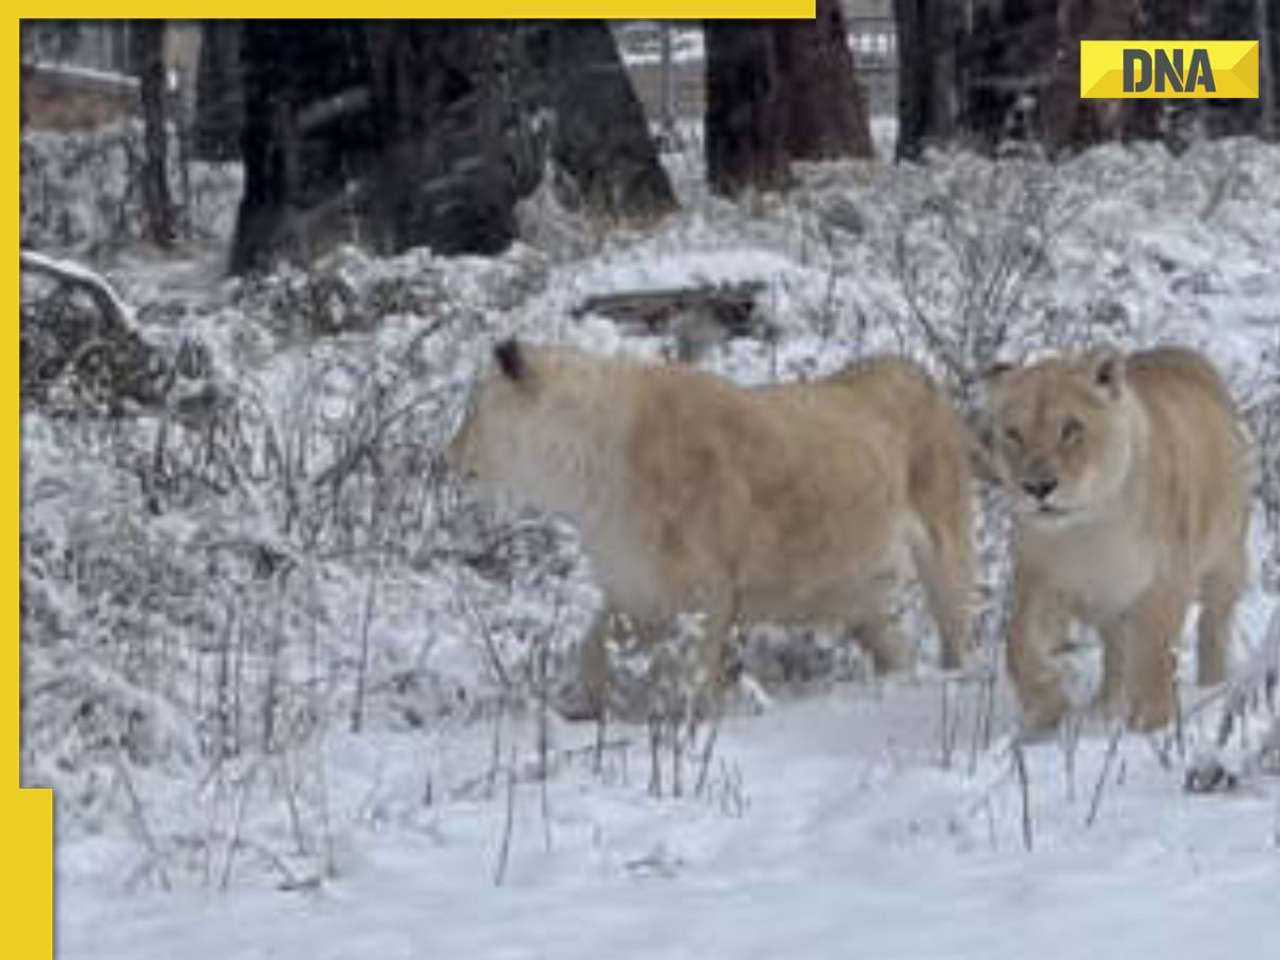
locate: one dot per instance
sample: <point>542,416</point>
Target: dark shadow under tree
<point>399,134</point>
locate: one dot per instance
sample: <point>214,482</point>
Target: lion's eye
<point>1072,430</point>
<point>1013,436</point>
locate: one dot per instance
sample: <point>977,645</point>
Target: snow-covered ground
<point>838,834</point>
<point>237,574</point>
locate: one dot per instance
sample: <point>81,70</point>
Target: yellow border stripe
<point>483,10</point>
<point>27,815</point>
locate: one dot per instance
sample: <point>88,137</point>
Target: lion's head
<point>483,449</point>
<point>1062,434</point>
<point>528,427</point>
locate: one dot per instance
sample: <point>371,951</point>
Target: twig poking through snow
<point>508,827</point>
<point>1024,786</point>
<point>1096,803</point>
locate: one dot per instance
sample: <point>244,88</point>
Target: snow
<point>852,841</point>
<point>837,818</point>
<point>108,78</point>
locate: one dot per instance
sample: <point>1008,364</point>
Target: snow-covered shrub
<point>217,587</point>
<point>81,191</point>
<point>1264,419</point>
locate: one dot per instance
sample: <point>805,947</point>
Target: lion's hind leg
<point>945,567</point>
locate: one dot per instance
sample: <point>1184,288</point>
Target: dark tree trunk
<point>600,136</point>
<point>219,92</point>
<point>1006,56</point>
<point>396,134</point>
<point>777,91</point>
<point>442,176</point>
<point>1267,19</point>
<point>1069,121</point>
<point>1021,54</point>
<point>927,74</point>
<point>382,134</point>
<point>148,38</point>
<point>915,77</point>
<point>746,118</point>
<point>826,116</point>
<point>295,165</point>
<point>1233,20</point>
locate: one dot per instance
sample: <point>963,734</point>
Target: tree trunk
<point>600,135</point>
<point>1005,58</point>
<point>374,133</point>
<point>156,199</point>
<point>928,78</point>
<point>219,116</point>
<point>826,115</point>
<point>1268,22</point>
<point>292,169</point>
<point>1071,122</point>
<point>442,174</point>
<point>746,112</point>
<point>396,134</point>
<point>916,109</point>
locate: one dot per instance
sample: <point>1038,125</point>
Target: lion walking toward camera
<point>783,504</point>
<point>1130,478</point>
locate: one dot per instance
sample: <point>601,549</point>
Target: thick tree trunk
<point>157,202</point>
<point>381,134</point>
<point>928,74</point>
<point>441,176</point>
<point>826,115</point>
<point>292,168</point>
<point>600,137</point>
<point>395,134</point>
<point>746,113</point>
<point>1069,121</point>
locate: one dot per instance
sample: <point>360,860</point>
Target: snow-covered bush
<point>217,586</point>
<point>81,191</point>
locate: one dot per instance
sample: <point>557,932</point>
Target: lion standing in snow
<point>787,504</point>
<point>1130,482</point>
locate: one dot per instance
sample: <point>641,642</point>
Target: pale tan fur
<point>1129,478</point>
<point>693,494</point>
<point>928,435</point>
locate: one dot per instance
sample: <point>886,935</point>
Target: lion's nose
<point>1040,487</point>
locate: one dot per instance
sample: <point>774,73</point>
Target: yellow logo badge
<point>1173,69</point>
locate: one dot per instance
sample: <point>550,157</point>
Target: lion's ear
<point>1107,366</point>
<point>511,360</point>
<point>996,371</point>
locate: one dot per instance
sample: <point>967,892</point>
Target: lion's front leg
<point>1151,631</point>
<point>1111,692</point>
<point>1038,630</point>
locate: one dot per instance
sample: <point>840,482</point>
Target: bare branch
<point>95,285</point>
